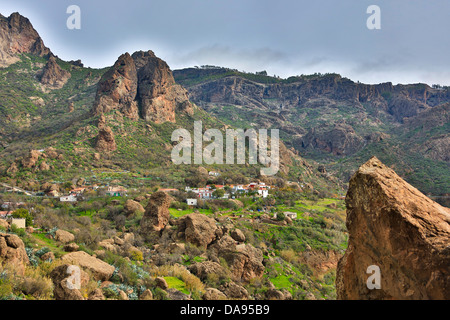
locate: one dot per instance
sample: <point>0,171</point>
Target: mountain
<point>104,121</point>
<point>335,121</point>
<point>17,35</point>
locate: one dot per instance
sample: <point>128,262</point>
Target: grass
<point>177,213</point>
<point>175,283</point>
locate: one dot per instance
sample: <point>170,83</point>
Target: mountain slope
<point>334,120</point>
<point>61,120</point>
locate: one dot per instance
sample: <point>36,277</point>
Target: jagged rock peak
<point>118,88</point>
<point>17,36</point>
<point>394,227</point>
<point>141,85</point>
<point>53,76</point>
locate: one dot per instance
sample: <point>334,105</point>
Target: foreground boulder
<point>63,289</point>
<point>394,227</point>
<point>101,271</point>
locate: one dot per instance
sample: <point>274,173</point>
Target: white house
<point>263,192</point>
<point>19,222</point>
<point>291,215</point>
<point>70,198</point>
<point>191,202</point>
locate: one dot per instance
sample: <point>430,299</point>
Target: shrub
<point>35,285</point>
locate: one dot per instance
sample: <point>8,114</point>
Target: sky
<point>283,37</point>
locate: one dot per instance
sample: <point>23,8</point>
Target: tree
<point>218,193</point>
<point>23,214</point>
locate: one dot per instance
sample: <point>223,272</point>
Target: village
<point>83,192</point>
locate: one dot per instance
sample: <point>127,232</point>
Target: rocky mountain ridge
<point>17,35</point>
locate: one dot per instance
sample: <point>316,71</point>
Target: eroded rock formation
<point>17,36</point>
<point>157,214</point>
<point>141,85</point>
<point>53,76</point>
<point>395,227</point>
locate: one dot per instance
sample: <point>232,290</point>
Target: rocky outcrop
<point>396,228</point>
<point>158,94</point>
<point>101,271</point>
<point>203,269</point>
<point>234,291</point>
<point>105,141</point>
<point>141,85</point>
<point>157,214</point>
<point>245,262</point>
<point>197,229</point>
<point>17,36</point>
<point>12,252</point>
<point>53,76</point>
<point>118,88</point>
<point>30,160</point>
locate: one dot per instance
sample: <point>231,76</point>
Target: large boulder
<point>12,252</point>
<point>234,291</point>
<point>132,207</point>
<point>65,283</point>
<point>101,270</point>
<point>157,214</point>
<point>245,262</point>
<point>393,227</point>
<point>203,269</point>
<point>213,294</point>
<point>197,229</point>
<point>64,236</point>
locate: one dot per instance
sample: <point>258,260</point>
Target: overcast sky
<point>284,37</point>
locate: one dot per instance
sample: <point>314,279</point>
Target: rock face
<point>17,36</point>
<point>12,251</point>
<point>158,94</point>
<point>53,76</point>
<point>157,214</point>
<point>339,139</point>
<point>395,227</point>
<point>141,85</point>
<point>118,88</point>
